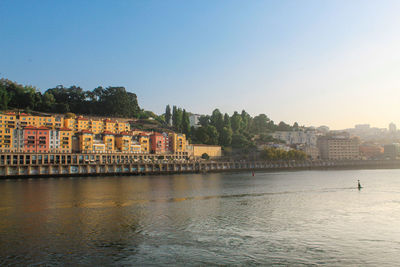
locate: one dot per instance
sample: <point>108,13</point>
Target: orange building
<point>108,140</point>
<point>65,140</point>
<point>144,141</point>
<point>123,141</point>
<point>85,141</point>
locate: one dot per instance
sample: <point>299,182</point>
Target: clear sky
<point>334,63</point>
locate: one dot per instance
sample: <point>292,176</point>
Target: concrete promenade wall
<point>126,166</point>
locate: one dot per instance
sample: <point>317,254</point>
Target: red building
<point>36,139</point>
<point>158,143</point>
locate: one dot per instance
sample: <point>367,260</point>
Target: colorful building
<point>85,141</point>
<point>54,140</point>
<point>123,142</point>
<point>6,139</point>
<point>18,140</point>
<point>108,140</point>
<point>96,126</point>
<point>177,142</point>
<point>158,143</point>
<point>8,120</point>
<point>66,140</point>
<point>36,139</point>
<point>144,141</point>
<point>52,122</point>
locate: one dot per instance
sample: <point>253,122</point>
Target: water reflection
<point>231,219</point>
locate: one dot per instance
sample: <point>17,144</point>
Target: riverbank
<point>144,168</point>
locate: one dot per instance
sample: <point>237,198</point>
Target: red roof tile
<point>86,131</point>
<point>30,127</point>
<point>65,129</point>
<point>108,132</point>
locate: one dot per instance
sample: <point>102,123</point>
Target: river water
<point>235,219</point>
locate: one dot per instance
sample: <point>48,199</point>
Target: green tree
<point>168,115</point>
<point>202,136</point>
<point>226,136</point>
<point>185,123</point>
<point>204,120</point>
<point>213,135</point>
<point>47,102</point>
<point>260,123</point>
<point>175,117</point>
<point>236,122</point>
<point>227,121</point>
<point>4,98</point>
<point>217,120</point>
<point>239,141</point>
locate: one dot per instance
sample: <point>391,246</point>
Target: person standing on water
<point>359,185</point>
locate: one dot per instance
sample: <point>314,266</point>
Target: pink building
<point>36,139</point>
<point>158,143</point>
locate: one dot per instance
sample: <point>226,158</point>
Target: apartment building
<point>36,139</point>
<point>338,147</point>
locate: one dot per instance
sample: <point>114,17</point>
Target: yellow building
<point>212,151</point>
<point>108,125</point>
<point>98,146</point>
<point>8,120</point>
<point>96,126</point>
<point>85,141</point>
<point>66,140</point>
<point>123,142</point>
<point>144,141</point>
<point>53,122</point>
<point>121,127</point>
<point>109,140</point>
<point>177,142</point>
<point>83,124</point>
<point>135,147</point>
<point>6,139</point>
<point>70,123</point>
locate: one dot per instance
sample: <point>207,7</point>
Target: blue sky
<point>335,63</point>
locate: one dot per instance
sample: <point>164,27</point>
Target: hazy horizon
<point>312,62</point>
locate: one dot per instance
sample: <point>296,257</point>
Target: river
<point>235,219</point>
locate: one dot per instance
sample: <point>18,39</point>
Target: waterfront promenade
<point>46,165</point>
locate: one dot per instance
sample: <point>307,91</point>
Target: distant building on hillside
<point>338,147</point>
<point>296,137</point>
<point>323,129</point>
<point>391,151</point>
<point>392,127</point>
<point>194,120</point>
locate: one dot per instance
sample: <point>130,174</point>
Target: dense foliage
<point>110,101</point>
<point>237,131</point>
<point>278,154</point>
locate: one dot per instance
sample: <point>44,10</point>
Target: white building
<point>297,137</point>
<point>54,140</point>
<point>392,127</point>
<point>18,140</point>
<point>194,120</point>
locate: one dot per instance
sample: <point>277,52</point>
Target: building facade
<point>338,148</point>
